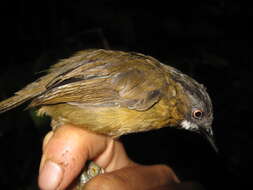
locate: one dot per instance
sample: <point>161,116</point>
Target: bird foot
<point>91,170</point>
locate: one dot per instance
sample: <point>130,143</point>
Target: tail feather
<point>36,88</point>
<point>12,102</point>
<point>27,93</point>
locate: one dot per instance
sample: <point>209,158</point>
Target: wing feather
<point>105,78</point>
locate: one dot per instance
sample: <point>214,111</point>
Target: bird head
<point>198,116</point>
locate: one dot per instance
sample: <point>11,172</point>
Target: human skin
<point>66,150</point>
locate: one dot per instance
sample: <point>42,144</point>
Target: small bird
<point>115,93</point>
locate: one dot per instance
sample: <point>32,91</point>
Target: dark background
<point>207,40</point>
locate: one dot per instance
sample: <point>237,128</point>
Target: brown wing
<point>106,78</point>
<point>38,87</point>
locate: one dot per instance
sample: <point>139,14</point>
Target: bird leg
<point>90,170</point>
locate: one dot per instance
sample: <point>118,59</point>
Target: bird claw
<point>91,170</point>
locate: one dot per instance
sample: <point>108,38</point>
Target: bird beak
<point>208,134</point>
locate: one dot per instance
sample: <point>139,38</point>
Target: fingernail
<point>47,138</point>
<point>42,161</point>
<point>50,176</point>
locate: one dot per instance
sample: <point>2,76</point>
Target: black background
<point>208,40</point>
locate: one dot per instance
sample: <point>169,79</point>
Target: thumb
<point>64,154</point>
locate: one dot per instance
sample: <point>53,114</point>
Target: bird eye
<point>197,114</point>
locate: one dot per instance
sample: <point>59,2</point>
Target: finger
<point>64,154</point>
<point>114,157</point>
<point>134,178</point>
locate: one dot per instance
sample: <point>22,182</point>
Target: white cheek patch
<point>188,125</point>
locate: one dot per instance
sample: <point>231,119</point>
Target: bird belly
<point>112,121</point>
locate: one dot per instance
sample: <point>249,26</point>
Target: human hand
<point>66,150</point>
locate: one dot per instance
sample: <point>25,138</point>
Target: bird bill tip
<point>208,134</point>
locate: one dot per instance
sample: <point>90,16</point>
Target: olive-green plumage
<point>115,93</point>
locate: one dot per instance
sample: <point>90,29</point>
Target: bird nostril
<point>210,131</point>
